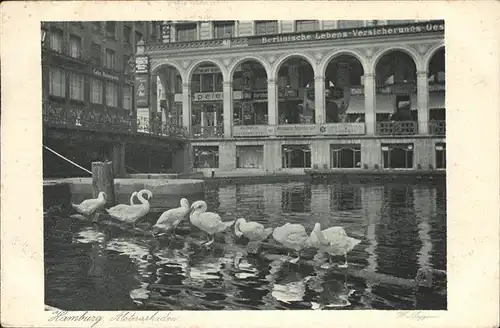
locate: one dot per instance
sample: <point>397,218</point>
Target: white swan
<point>291,236</point>
<point>209,222</point>
<point>171,218</point>
<point>333,241</point>
<point>132,213</point>
<point>90,207</point>
<point>254,231</point>
<point>120,207</point>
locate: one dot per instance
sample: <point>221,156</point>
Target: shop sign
<point>296,130</point>
<point>206,70</point>
<point>251,130</point>
<point>100,73</point>
<point>208,96</point>
<point>141,91</point>
<point>343,129</point>
<point>141,64</point>
<point>363,32</point>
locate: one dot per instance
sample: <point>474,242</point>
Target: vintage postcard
<point>213,164</point>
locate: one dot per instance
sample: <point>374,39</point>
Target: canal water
<point>402,227</point>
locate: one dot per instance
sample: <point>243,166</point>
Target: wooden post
<point>103,180</point>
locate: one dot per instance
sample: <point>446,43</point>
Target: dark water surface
<point>401,227</point>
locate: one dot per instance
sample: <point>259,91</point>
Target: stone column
<point>423,102</point>
<point>272,102</point>
<point>370,104</point>
<point>319,99</point>
<point>228,108</point>
<point>186,106</point>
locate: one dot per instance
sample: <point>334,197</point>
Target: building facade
<point>288,95</point>
<point>88,85</point>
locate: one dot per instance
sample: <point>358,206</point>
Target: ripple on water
<point>401,228</point>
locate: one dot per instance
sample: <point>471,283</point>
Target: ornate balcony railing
<point>84,118</point>
<point>437,127</point>
<point>397,128</point>
<point>161,129</point>
<point>109,120</point>
<point>207,132</point>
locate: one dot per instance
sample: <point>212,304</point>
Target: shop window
<point>109,61</point>
<point>224,29</point>
<point>75,46</point>
<point>127,97</point>
<point>96,54</point>
<point>56,40</point>
<point>250,157</point>
<point>206,156</point>
<point>397,156</point>
<point>96,91</point>
<point>266,27</point>
<point>440,155</point>
<point>111,94</point>
<point>77,87</point>
<point>306,25</point>
<point>186,32</point>
<point>57,82</point>
<point>296,156</point>
<point>345,156</point>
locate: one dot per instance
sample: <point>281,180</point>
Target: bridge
<point>84,134</point>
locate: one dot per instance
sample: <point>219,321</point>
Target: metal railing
<point>207,132</point>
<point>437,127</point>
<point>106,120</point>
<point>397,128</point>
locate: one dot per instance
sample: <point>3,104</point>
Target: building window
<point>127,97</point>
<point>111,94</point>
<point>399,22</point>
<point>345,156</point>
<point>296,156</point>
<point>77,87</point>
<point>250,157</point>
<point>266,27</point>
<point>57,82</point>
<point>111,29</point>
<point>127,34</point>
<point>440,155</point>
<point>95,54</point>
<point>206,156</point>
<point>56,40</point>
<point>127,67</point>
<point>75,46</point>
<point>110,59</point>
<point>350,23</point>
<point>96,27</point>
<point>96,91</point>
<point>186,32</point>
<point>306,25</point>
<point>138,37</point>
<point>223,29</point>
<point>397,156</point>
